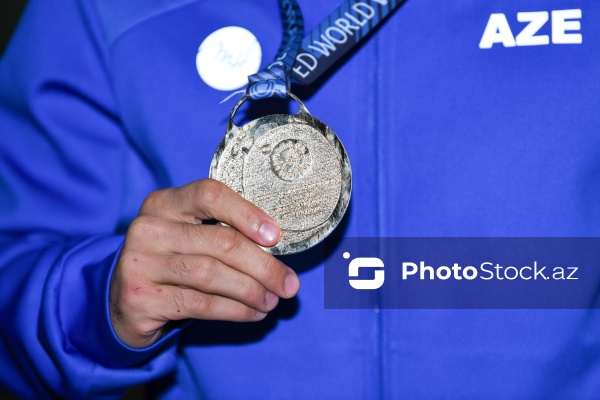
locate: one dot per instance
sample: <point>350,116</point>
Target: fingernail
<point>271,300</point>
<point>292,284</point>
<point>269,232</point>
<point>260,315</point>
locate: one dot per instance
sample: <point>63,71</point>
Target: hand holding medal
<point>171,267</point>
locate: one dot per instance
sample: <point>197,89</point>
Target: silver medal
<point>294,168</point>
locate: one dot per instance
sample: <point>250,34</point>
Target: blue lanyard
<point>275,79</point>
<point>306,58</point>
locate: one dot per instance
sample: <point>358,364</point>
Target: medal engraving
<point>291,166</point>
<point>290,160</point>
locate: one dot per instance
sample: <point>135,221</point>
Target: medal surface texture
<point>294,168</point>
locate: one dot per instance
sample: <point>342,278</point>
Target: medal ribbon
<point>304,60</point>
<point>275,79</point>
<point>343,29</point>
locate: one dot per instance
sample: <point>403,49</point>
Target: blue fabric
<point>100,103</point>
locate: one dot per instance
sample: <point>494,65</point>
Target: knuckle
<point>154,200</point>
<point>250,217</point>
<point>131,264</point>
<point>129,257</point>
<point>203,305</point>
<point>271,271</point>
<point>210,192</point>
<point>146,228</point>
<point>227,240</point>
<point>129,299</point>
<point>205,271</point>
<point>254,294</point>
<point>140,226</point>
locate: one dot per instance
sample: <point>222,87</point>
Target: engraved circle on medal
<point>290,159</point>
<point>293,174</point>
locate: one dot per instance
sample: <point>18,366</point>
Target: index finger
<point>210,199</point>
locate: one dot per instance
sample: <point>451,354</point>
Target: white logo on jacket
<point>227,56</point>
<point>565,24</point>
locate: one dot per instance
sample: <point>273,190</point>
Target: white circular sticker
<point>227,56</point>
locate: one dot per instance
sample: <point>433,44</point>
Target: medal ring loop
<point>231,125</point>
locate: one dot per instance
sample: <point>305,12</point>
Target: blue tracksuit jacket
<point>101,103</point>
